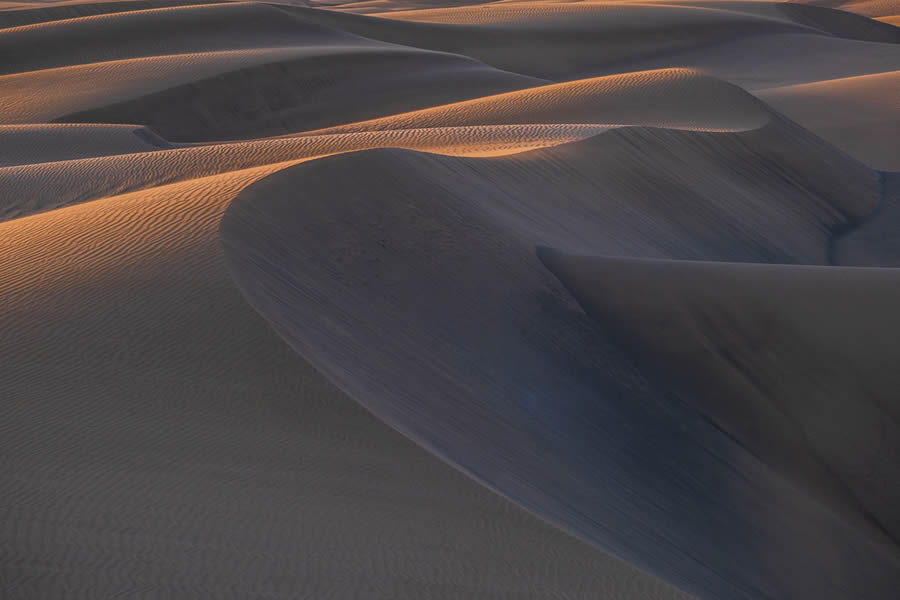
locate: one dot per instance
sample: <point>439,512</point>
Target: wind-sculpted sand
<point>425,301</point>
<point>429,299</point>
<point>856,114</point>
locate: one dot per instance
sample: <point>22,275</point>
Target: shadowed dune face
<point>792,361</point>
<point>425,302</point>
<point>867,126</point>
<point>220,71</point>
<point>164,440</point>
<point>29,144</point>
<point>756,49</point>
<point>267,268</point>
<point>673,98</point>
<point>305,93</point>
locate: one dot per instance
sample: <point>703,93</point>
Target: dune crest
<point>673,98</point>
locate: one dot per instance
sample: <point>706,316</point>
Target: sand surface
<point>439,299</point>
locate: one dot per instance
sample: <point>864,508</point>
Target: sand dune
<point>797,363</point>
<point>158,32</point>
<point>31,188</point>
<point>27,144</point>
<point>424,301</point>
<point>672,16</point>
<point>178,70</point>
<point>748,48</point>
<point>675,98</point>
<point>856,114</point>
<point>303,93</point>
<point>164,440</point>
<point>874,242</point>
<point>23,98</point>
<point>870,8</point>
<point>312,298</point>
<point>29,12</point>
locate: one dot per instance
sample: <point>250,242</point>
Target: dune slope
<point>33,144</point>
<point>790,360</point>
<point>159,439</point>
<point>278,317</point>
<point>424,301</point>
<point>856,114</point>
<point>758,48</point>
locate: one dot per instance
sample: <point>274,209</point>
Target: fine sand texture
<point>413,299</point>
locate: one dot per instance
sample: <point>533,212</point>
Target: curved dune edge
<point>678,98</point>
<point>648,37</point>
<point>27,189</point>
<point>797,363</point>
<point>674,98</point>
<point>224,70</point>
<point>495,125</point>
<point>856,114</point>
<point>301,93</point>
<point>132,87</point>
<point>171,30</point>
<point>425,303</point>
<point>165,440</point>
<point>18,14</point>
<point>619,15</point>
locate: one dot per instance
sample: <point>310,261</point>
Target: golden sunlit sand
<point>446,299</point>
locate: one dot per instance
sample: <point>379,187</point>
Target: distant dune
<point>856,114</point>
<point>445,299</point>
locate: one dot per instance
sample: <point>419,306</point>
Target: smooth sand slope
<point>874,242</point>
<point>759,48</point>
<point>674,98</point>
<point>870,8</point>
<point>227,225</point>
<point>856,114</point>
<point>160,440</point>
<point>793,361</point>
<point>222,70</point>
<point>424,300</point>
<point>30,144</point>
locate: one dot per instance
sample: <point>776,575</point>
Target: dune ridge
<point>41,186</point>
<point>17,14</point>
<point>296,94</point>
<point>646,36</point>
<point>504,123</point>
<point>673,98</point>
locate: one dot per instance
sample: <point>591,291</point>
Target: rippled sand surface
<point>438,299</point>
